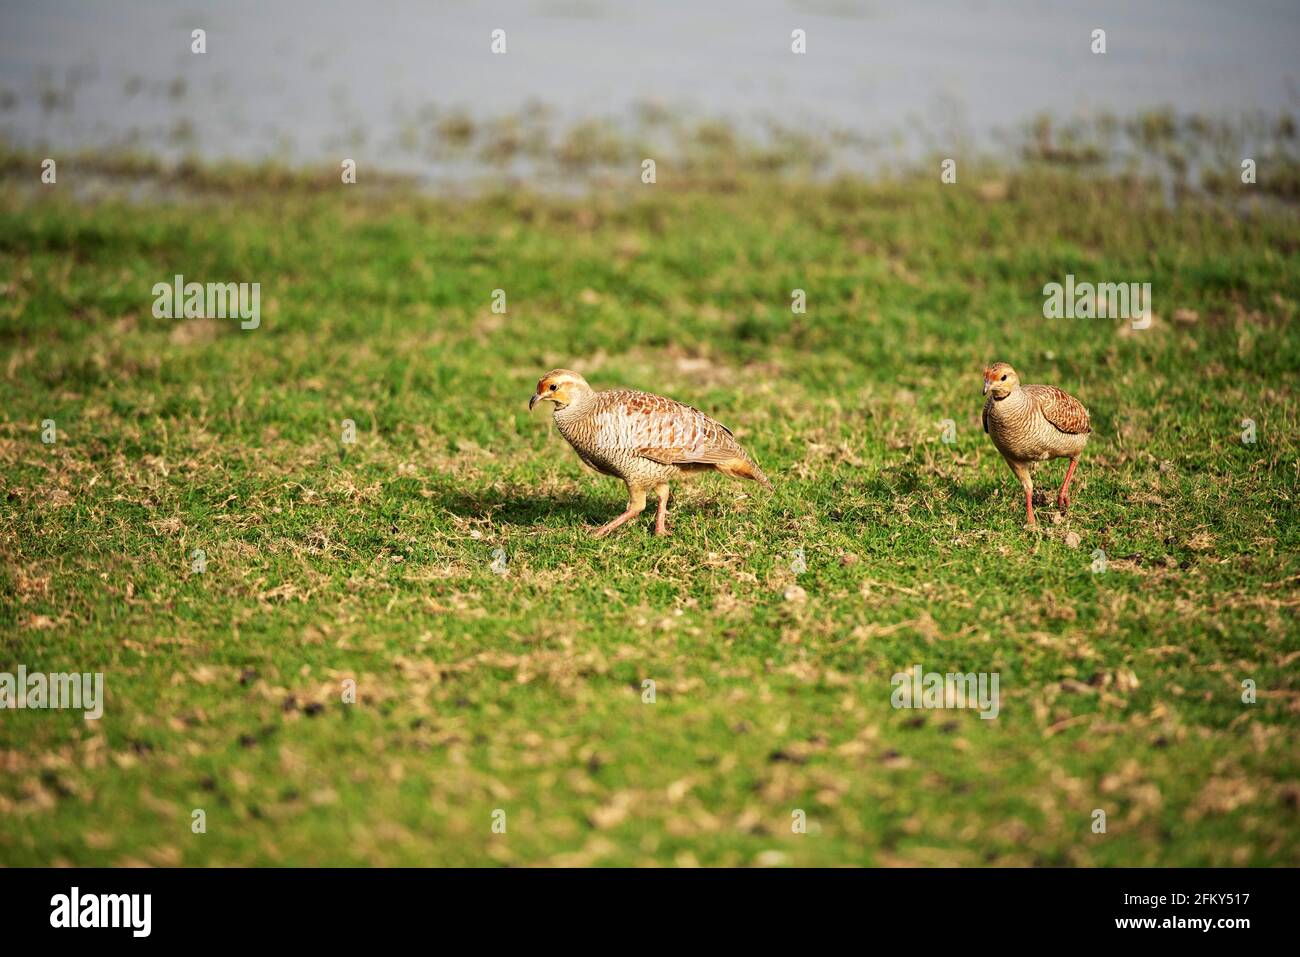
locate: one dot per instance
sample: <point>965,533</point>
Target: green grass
<point>1120,691</point>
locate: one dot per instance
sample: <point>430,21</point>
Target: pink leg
<point>1025,476</point>
<point>634,508</point>
<point>1063,498</point>
<point>661,518</point>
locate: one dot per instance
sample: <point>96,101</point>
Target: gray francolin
<point>646,440</point>
<point>1033,423</point>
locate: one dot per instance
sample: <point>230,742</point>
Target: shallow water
<point>306,82</point>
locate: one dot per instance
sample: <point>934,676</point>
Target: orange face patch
<point>556,377</point>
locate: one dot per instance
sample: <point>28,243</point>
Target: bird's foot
<point>608,527</point>
<point>661,529</point>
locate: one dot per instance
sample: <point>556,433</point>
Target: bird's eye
<point>1004,379</point>
<point>554,386</point>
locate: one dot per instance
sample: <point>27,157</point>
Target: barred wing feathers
<point>1060,408</point>
<point>662,430</point>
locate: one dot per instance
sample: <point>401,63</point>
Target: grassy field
<point>522,692</point>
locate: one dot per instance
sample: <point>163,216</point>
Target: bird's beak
<point>533,401</point>
<point>987,385</point>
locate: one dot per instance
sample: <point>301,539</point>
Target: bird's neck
<point>576,407</point>
<point>574,410</point>
<point>1011,403</point>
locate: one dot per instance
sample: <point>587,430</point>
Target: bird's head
<point>1001,380</point>
<point>561,386</point>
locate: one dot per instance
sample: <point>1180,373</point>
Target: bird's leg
<point>1026,483</point>
<point>661,517</point>
<point>1063,498</point>
<point>634,508</point>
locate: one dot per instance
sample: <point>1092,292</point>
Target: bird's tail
<point>743,467</point>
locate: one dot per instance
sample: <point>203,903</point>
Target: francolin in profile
<point>646,440</point>
<point>1033,423</point>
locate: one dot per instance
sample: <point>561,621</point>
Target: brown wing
<point>659,429</point>
<point>1060,408</point>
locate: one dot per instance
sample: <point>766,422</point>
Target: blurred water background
<point>412,86</point>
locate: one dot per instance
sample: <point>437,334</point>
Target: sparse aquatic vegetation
<point>445,148</point>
